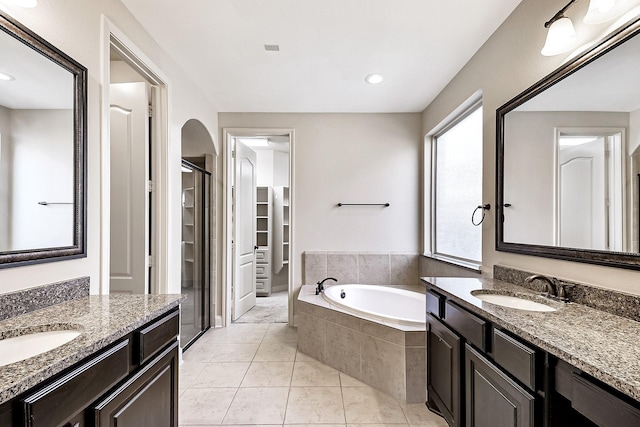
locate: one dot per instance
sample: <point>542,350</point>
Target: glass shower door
<point>195,266</point>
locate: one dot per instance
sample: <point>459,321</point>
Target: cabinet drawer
<point>600,406</point>
<point>262,255</point>
<point>261,270</point>
<point>470,326</point>
<point>261,285</point>
<point>155,336</point>
<point>58,402</point>
<point>434,303</point>
<point>516,357</point>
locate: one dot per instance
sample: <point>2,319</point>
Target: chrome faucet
<point>550,283</point>
<point>554,287</point>
<point>320,284</point>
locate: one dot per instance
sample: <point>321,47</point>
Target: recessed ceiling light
<point>374,79</point>
<point>272,47</point>
<point>255,141</point>
<point>6,77</point>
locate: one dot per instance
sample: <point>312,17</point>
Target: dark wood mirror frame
<point>608,258</point>
<point>79,247</point>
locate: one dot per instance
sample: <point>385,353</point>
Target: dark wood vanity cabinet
<point>444,367</point>
<point>478,375</point>
<point>132,382</point>
<point>492,398</point>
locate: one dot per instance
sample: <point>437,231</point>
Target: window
<point>457,189</point>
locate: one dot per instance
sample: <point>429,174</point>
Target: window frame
<point>465,110</point>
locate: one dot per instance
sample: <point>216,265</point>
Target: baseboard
<point>279,288</point>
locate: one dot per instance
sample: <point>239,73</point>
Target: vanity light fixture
<point>4,77</point>
<point>561,36</point>
<point>604,10</point>
<point>374,79</point>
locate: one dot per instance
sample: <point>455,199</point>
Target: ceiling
<point>326,49</point>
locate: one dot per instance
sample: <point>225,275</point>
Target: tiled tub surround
<point>21,302</point>
<point>370,268</point>
<point>614,302</point>
<point>601,344</point>
<point>388,357</point>
<point>102,320</point>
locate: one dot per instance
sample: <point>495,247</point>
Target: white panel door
<point>244,279</point>
<point>582,196</point>
<point>129,129</point>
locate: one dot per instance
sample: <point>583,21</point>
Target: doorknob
<point>255,248</point>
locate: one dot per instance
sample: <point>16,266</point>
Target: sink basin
<point>512,301</point>
<point>25,346</point>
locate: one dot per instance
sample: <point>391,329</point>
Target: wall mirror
<point>568,159</point>
<point>42,150</point>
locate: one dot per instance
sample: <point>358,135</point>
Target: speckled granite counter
<point>601,344</point>
<point>102,319</point>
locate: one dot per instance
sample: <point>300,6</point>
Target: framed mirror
<point>568,159</point>
<point>43,102</point>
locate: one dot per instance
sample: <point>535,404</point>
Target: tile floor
<point>253,374</point>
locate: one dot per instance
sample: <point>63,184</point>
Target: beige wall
<point>350,158</point>
<point>75,28</point>
<point>508,63</point>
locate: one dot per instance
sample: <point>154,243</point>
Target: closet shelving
<point>264,237</point>
<point>280,228</point>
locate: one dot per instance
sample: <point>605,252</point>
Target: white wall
<point>75,28</point>
<point>508,63</point>
<point>350,158</point>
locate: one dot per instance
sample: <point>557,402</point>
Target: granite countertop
<point>102,320</point>
<point>601,344</point>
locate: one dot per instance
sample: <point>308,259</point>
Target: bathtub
<point>375,334</point>
<point>379,302</point>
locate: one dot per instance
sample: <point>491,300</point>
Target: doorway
<point>265,210</point>
<point>134,252</point>
<point>590,189</point>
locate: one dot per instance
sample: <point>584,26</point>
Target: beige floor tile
<point>262,405</point>
<point>226,374</point>
<point>276,352</point>
<point>281,332</point>
<point>315,405</point>
<point>348,381</point>
<point>418,415</point>
<point>225,352</point>
<point>204,406</point>
<point>238,333</point>
<point>377,425</point>
<point>198,353</point>
<point>301,357</point>
<point>364,405</point>
<point>189,372</point>
<point>268,374</point>
<point>314,374</point>
<point>315,425</point>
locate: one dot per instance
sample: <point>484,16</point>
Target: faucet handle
<point>563,289</point>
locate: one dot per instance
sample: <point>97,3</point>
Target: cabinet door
<point>444,350</point>
<point>148,398</point>
<point>492,398</point>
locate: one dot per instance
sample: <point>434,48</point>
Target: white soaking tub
<point>379,302</point>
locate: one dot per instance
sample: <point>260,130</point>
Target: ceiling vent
<point>272,47</point>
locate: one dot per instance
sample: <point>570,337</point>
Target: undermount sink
<point>511,301</point>
<point>22,347</point>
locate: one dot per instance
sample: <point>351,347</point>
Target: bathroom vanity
<point>490,365</point>
<point>121,370</point>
